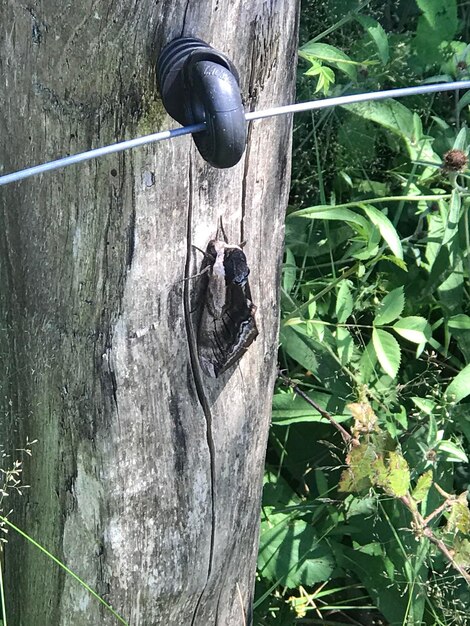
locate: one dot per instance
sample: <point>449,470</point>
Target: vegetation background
<point>370,524</point>
<point>375,330</point>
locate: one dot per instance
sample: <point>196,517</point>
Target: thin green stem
<point>344,20</point>
<point>320,294</point>
<point>346,205</point>
<point>65,568</point>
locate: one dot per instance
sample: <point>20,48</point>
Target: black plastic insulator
<point>200,84</point>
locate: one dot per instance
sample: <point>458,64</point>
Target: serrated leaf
<point>365,420</point>
<point>367,363</point>
<point>398,480</point>
<point>357,476</point>
<point>379,472</point>
<point>387,350</point>
<point>459,517</point>
<point>377,34</point>
<point>413,328</point>
<point>344,302</point>
<point>396,261</point>
<point>390,308</point>
<point>423,486</point>
<point>326,77</point>
<point>462,548</point>
<point>459,388</point>
<point>331,55</point>
<point>386,228</point>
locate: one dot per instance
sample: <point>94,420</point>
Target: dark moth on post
<point>227,324</point>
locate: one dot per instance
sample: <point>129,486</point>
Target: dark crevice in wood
<point>184,17</point>
<point>131,237</point>
<point>246,165</point>
<point>198,381</point>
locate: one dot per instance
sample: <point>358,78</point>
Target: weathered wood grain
<point>146,478</point>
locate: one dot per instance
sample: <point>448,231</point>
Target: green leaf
<point>462,548</point>
<point>452,224</point>
<point>387,350</point>
<point>433,11</point>
<point>390,308</point>
<point>312,307</point>
<point>289,274</point>
<point>345,345</point>
<point>423,486</point>
<point>451,284</point>
<point>461,140</point>
<point>315,356</point>
<point>357,476</point>
<point>459,388</point>
<point>291,554</point>
<point>289,408</point>
<point>344,302</point>
<point>326,77</point>
<point>329,54</point>
<point>459,518</point>
<point>367,364</point>
<point>392,474</point>
<point>413,328</point>
<point>377,34</point>
<point>314,70</point>
<point>454,452</point>
<point>438,24</point>
<point>300,348</point>
<point>425,405</point>
<point>277,493</point>
<point>379,472</point>
<point>372,571</point>
<point>327,212</point>
<point>386,228</point>
<point>464,101</point>
<point>398,480</point>
<point>398,119</point>
<point>396,261</point>
<point>366,246</point>
<point>460,321</point>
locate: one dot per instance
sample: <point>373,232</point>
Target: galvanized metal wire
<point>312,105</point>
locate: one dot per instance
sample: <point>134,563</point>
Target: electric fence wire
<point>311,105</point>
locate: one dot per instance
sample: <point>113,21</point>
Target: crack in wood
<point>198,382</point>
<point>185,14</point>
<point>131,237</point>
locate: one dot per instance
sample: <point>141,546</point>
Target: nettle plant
<point>370,511</point>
